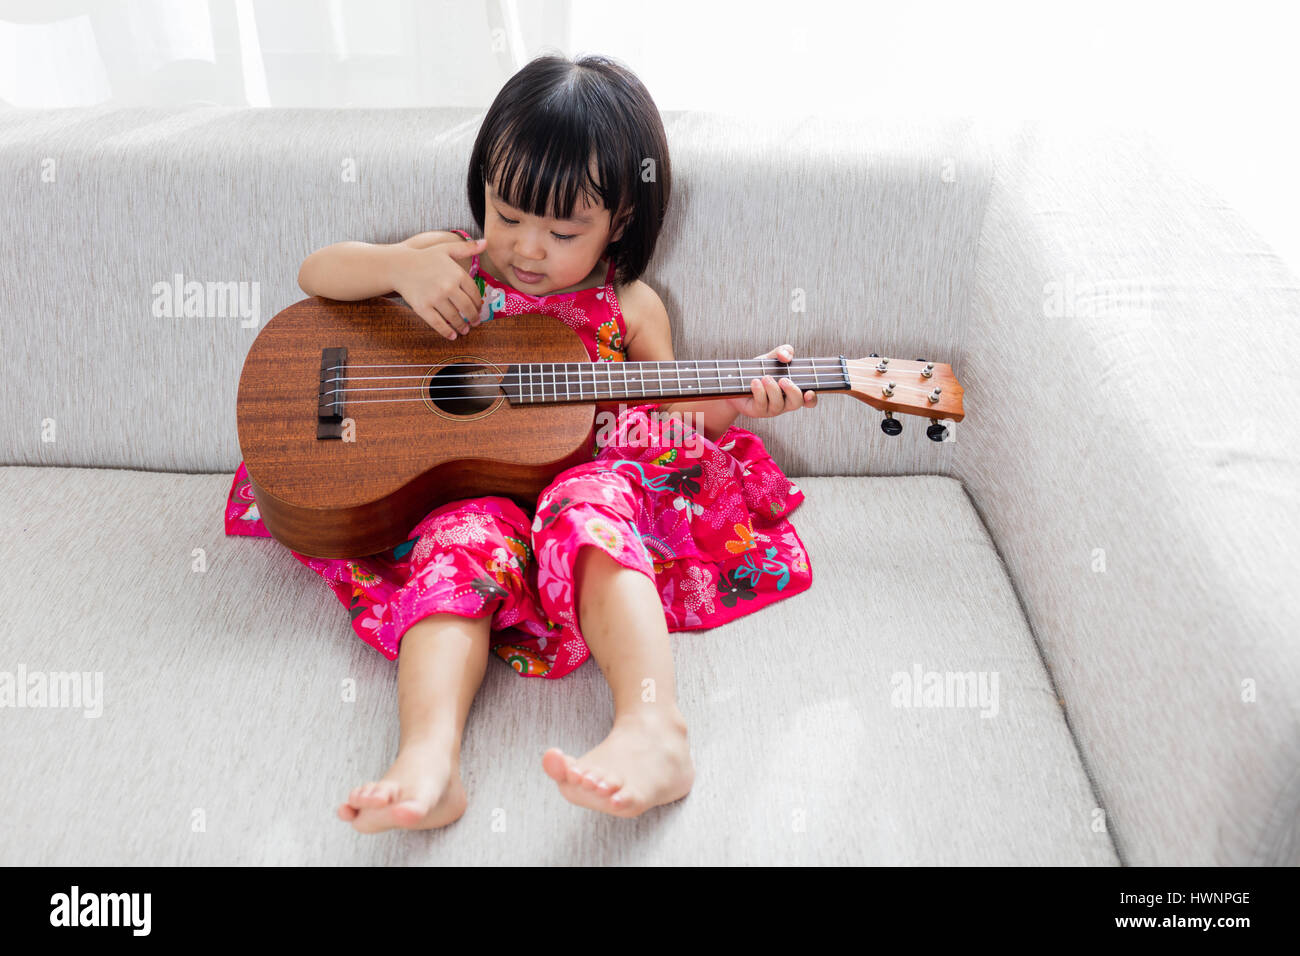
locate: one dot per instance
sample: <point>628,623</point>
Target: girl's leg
<point>441,662</point>
<point>645,760</point>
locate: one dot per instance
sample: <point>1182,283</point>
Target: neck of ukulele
<point>550,383</point>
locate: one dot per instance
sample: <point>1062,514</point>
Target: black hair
<point>542,132</point>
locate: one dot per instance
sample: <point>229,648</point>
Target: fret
<point>627,372</point>
<point>731,386</point>
<point>539,383</point>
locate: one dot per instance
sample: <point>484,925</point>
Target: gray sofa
<point>1109,537</point>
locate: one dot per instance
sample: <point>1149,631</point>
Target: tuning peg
<point>891,425</point>
<point>937,431</point>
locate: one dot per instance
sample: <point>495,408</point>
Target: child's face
<point>538,254</point>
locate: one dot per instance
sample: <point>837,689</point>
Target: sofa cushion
<point>224,736</point>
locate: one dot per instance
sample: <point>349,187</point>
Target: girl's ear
<point>620,223</point>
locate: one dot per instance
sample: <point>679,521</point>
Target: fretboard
<point>546,383</point>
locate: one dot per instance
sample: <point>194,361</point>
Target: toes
<point>608,780</point>
<point>556,764</point>
<point>347,813</point>
<point>564,769</point>
<point>373,795</point>
<point>373,821</point>
<point>377,820</point>
<point>602,781</point>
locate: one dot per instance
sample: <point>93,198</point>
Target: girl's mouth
<point>531,278</point>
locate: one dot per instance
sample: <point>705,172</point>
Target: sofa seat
<point>225,737</point>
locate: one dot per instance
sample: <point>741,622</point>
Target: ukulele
<point>356,419</point>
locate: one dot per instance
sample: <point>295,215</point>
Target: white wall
<point>1217,83</point>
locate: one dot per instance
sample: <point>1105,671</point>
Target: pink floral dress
<point>711,530</point>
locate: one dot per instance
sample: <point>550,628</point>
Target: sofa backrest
<point>839,236</point>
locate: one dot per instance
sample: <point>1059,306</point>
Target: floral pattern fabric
<point>707,522</point>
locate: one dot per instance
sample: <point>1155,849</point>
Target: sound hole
<point>464,389</point>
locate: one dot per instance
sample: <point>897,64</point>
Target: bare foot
<point>422,790</point>
<point>644,762</point>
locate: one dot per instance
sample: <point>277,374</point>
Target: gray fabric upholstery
<point>222,692</point>
<point>1146,426</point>
<point>1148,421</point>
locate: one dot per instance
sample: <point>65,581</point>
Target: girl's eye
<point>515,222</point>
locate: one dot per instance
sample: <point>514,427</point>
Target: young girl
<point>569,181</point>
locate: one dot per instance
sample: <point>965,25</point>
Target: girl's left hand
<point>769,397</point>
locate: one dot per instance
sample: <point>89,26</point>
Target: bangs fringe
<point>543,173</point>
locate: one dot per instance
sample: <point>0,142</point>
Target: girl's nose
<point>529,248</point>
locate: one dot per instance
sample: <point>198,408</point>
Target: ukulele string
<point>834,363</point>
<point>816,367</point>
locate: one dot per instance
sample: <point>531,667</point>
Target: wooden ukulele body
<point>398,459</point>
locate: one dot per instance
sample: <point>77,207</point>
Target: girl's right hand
<point>438,288</point>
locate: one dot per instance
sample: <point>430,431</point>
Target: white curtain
<point>57,53</point>
<point>1216,84</point>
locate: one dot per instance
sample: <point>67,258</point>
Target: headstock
<point>918,387</point>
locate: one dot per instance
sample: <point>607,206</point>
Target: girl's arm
<point>650,339</point>
<point>349,271</point>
